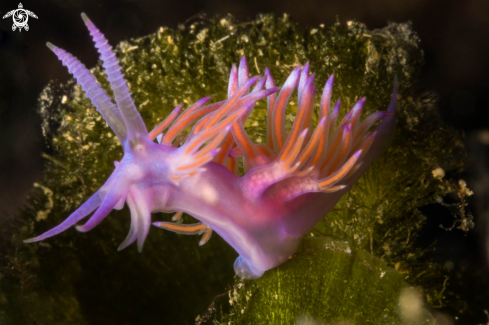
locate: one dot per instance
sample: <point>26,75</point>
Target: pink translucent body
<point>290,182</point>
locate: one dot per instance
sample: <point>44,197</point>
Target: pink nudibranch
<point>290,182</point>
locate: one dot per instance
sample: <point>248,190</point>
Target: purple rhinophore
<point>262,214</point>
<point>134,122</point>
<point>94,91</point>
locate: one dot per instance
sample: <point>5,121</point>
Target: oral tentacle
<point>115,194</point>
<point>84,210</point>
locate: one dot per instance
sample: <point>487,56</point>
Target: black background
<point>454,35</point>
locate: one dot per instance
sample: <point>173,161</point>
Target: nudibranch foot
<point>245,270</point>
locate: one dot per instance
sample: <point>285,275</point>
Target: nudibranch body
<point>290,182</point>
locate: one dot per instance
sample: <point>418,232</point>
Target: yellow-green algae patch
<point>327,281</point>
<point>82,279</point>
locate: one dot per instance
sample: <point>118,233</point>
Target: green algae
<point>334,283</point>
<point>82,279</point>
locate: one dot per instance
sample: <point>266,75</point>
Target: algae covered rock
<point>326,280</point>
<point>82,279</point>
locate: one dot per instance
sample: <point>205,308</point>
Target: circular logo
<point>20,17</point>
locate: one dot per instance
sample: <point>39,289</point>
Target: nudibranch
<point>188,163</point>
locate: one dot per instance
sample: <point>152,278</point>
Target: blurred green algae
<point>77,278</point>
<point>326,280</point>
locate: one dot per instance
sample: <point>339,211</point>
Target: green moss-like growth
<point>82,279</point>
<point>334,284</point>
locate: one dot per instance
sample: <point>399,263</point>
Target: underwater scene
<point>244,162</point>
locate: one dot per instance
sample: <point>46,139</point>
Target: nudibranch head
<point>290,182</point>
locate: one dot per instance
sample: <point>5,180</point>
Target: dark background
<point>454,35</point>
